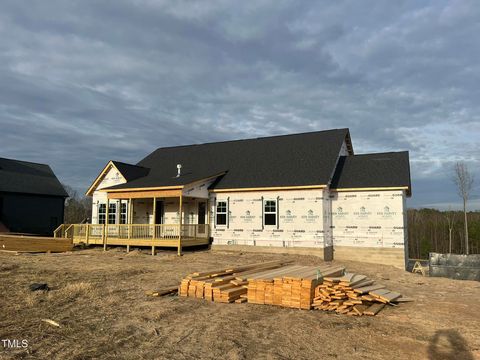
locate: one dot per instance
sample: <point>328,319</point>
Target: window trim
<point>112,212</point>
<point>102,213</point>
<point>266,212</point>
<point>221,213</point>
<point>123,213</point>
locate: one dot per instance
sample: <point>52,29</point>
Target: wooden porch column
<point>154,223</point>
<point>180,207</point>
<point>208,212</point>
<point>130,217</point>
<point>208,220</point>
<point>129,222</point>
<point>105,227</point>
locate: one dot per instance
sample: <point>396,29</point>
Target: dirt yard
<point>98,298</point>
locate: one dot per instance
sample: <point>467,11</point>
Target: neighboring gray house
<point>32,199</point>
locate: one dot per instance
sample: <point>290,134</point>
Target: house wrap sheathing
<point>303,192</point>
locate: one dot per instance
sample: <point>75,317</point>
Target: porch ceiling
<point>144,194</point>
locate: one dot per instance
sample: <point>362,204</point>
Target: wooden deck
<point>161,235</point>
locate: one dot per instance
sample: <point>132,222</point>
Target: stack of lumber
<point>20,243</point>
<point>353,294</point>
<point>325,287</point>
<point>224,285</point>
<point>289,286</point>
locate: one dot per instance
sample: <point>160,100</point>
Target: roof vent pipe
<point>179,168</point>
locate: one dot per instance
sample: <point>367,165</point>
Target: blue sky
<point>83,82</point>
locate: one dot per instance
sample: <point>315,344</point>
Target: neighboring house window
<point>102,209</point>
<point>112,213</point>
<point>270,212</point>
<point>222,213</point>
<point>123,213</point>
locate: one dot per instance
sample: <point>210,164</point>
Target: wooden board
<point>34,244</point>
<point>374,309</point>
<point>162,292</point>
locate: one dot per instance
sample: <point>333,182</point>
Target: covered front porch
<point>164,218</point>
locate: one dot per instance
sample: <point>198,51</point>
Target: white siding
<point>198,189</point>
<point>143,211</point>
<point>369,219</point>
<point>300,219</point>
<point>314,218</point>
<point>111,178</point>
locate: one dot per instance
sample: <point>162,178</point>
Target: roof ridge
<point>24,161</point>
<point>124,163</point>
<point>257,138</point>
<point>378,153</point>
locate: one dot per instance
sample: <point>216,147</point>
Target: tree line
<point>78,208</point>
<point>431,230</point>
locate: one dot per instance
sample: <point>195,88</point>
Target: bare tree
<point>450,217</point>
<point>77,207</point>
<point>464,181</point>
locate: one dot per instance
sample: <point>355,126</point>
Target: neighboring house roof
<point>276,161</point>
<point>391,169</point>
<point>29,178</point>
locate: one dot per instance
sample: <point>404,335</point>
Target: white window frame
<point>221,213</point>
<point>123,213</point>
<point>102,215</point>
<point>112,213</point>
<point>265,212</point>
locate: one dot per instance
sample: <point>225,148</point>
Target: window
<point>112,213</point>
<point>123,213</point>
<point>270,212</point>
<point>221,213</point>
<point>101,213</point>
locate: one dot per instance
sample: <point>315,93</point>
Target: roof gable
<point>116,173</point>
<point>29,178</point>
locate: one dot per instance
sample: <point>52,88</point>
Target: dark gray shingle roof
<point>130,172</point>
<point>287,160</point>
<point>29,178</point>
<point>390,169</point>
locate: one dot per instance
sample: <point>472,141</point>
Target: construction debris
<point>51,322</point>
<point>39,287</point>
<point>167,291</point>
<point>324,287</point>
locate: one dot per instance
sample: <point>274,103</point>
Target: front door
<point>202,211</point>
<point>159,212</point>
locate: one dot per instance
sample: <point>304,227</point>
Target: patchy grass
<point>98,299</point>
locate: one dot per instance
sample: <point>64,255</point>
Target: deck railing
<point>102,233</point>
